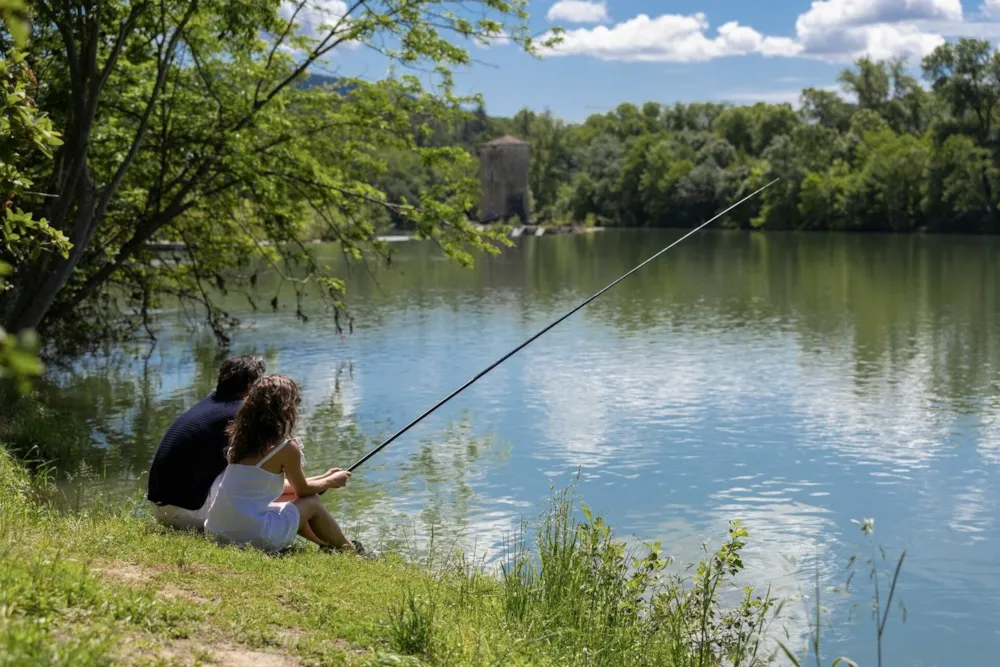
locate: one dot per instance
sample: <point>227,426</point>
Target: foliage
<point>25,135</point>
<point>604,603</point>
<point>44,434</point>
<point>13,14</point>
<point>199,123</point>
<point>227,143</point>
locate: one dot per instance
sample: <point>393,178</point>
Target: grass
<point>40,434</point>
<point>105,585</point>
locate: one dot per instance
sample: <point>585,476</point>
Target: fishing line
<point>543,331</point>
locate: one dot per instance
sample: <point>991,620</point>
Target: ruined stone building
<point>504,180</point>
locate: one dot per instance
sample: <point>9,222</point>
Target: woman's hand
<point>337,478</point>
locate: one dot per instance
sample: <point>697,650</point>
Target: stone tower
<point>504,180</point>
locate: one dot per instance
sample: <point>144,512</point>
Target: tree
<point>25,133</point>
<point>596,184</point>
<point>184,121</point>
<point>826,108</point>
<point>659,183</point>
<point>826,200</point>
<point>961,177</point>
<point>772,121</point>
<point>892,181</point>
<point>629,195</point>
<point>778,204</point>
<point>966,75</point>
<point>885,87</point>
<point>736,126</point>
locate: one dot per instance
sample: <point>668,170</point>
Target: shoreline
<point>524,231</point>
<point>403,237</point>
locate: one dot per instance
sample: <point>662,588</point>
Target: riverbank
<point>106,585</point>
<point>402,237</point>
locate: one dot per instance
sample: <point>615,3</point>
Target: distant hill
<point>313,80</point>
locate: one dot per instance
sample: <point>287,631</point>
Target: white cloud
<point>578,11</point>
<point>831,30</point>
<point>670,38</point>
<point>990,8</point>
<point>976,29</point>
<point>826,15</point>
<point>845,29</point>
<point>314,17</point>
<point>881,41</point>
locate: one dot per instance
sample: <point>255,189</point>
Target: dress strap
<point>273,452</point>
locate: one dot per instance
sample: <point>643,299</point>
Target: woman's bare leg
<point>318,525</point>
<point>307,532</point>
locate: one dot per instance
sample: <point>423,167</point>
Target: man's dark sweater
<point>192,454</point>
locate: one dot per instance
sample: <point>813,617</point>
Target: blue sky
<point>709,50</point>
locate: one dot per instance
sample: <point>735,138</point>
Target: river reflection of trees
<point>890,297</point>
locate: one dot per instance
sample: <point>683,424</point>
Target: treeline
<point>888,155</point>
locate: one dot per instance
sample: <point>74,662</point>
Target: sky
<point>666,51</point>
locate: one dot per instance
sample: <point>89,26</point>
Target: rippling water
<point>794,382</point>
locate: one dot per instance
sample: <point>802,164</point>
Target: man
<point>190,460</point>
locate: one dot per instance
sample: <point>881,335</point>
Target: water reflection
<point>792,381</point>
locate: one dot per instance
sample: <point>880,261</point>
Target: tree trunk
<point>47,278</point>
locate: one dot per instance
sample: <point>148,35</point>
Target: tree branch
<point>318,52</point>
<point>276,46</point>
<point>140,133</point>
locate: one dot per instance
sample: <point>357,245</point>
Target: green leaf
<point>846,661</point>
<point>14,15</point>
<point>23,363</point>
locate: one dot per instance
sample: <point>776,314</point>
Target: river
<point>793,381</point>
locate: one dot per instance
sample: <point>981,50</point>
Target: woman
<point>265,467</point>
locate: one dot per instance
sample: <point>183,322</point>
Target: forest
<point>887,155</point>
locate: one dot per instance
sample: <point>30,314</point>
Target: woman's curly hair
<point>268,416</point>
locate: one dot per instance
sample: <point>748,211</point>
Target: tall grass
<point>599,602</point>
<point>880,607</point>
<point>411,625</point>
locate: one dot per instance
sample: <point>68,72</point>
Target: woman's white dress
<point>244,511</point>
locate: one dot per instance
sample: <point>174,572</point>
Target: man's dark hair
<point>237,374</point>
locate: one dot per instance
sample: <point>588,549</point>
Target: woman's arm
<point>296,481</point>
<point>289,490</point>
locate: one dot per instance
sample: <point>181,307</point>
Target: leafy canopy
<point>199,122</point>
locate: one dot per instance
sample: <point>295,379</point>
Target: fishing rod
<point>523,345</point>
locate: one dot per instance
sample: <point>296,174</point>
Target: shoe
<point>360,550</point>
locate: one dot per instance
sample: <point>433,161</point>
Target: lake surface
<point>794,382</point>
